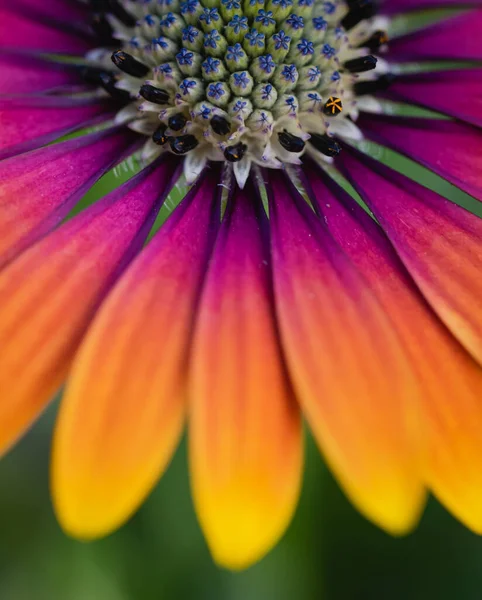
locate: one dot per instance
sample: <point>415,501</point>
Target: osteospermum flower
<point>270,292</point>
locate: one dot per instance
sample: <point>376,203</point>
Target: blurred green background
<point>329,551</point>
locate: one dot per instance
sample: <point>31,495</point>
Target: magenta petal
<point>397,6</point>
<point>27,123</point>
<point>27,74</point>
<point>457,38</point>
<point>455,93</point>
<point>39,188</point>
<point>450,149</point>
<point>439,243</point>
<point>69,11</point>
<point>18,31</point>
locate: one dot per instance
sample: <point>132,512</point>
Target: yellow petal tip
<point>243,523</point>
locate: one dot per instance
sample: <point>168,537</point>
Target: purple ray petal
<point>450,149</point>
<point>455,93</point>
<point>457,38</point>
<point>31,121</point>
<point>63,10</point>
<point>439,242</point>
<point>397,6</point>
<point>18,31</point>
<point>39,188</point>
<point>23,73</point>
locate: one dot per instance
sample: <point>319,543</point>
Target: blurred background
<point>329,552</point>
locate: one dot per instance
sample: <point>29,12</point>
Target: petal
<point>452,428</point>
<point>245,430</point>
<point>395,6</point>
<point>27,123</point>
<point>38,189</point>
<point>442,92</point>
<point>439,242</point>
<point>63,10</point>
<point>17,31</point>
<point>457,38</point>
<point>49,295</point>
<point>452,150</point>
<point>352,378</point>
<point>24,74</point>
<point>125,403</point>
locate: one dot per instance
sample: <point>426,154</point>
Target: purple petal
<point>455,38</point>
<point>455,93</point>
<point>17,31</point>
<point>450,149</point>
<point>24,74</point>
<point>38,189</point>
<point>397,6</point>
<point>29,122</point>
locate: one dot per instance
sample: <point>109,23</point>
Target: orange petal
<point>348,368</point>
<point>245,434</point>
<point>50,293</point>
<point>451,380</point>
<point>124,406</point>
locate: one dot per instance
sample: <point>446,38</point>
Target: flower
<point>270,292</point>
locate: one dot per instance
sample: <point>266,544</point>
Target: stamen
<point>183,144</point>
<point>127,63</point>
<point>325,144</point>
<point>220,125</point>
<point>380,84</point>
<point>333,106</point>
<point>376,41</point>
<point>362,64</point>
<point>291,142</point>
<point>153,94</point>
<point>159,137</point>
<point>228,75</point>
<point>235,153</point>
<point>359,10</point>
<point>177,122</point>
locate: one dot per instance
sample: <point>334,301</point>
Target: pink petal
<point>19,31</point>
<point>451,440</point>
<point>69,11</point>
<point>38,189</point>
<point>30,122</point>
<point>24,74</point>
<point>457,38</point>
<point>395,6</point>
<point>50,293</point>
<point>439,242</point>
<point>245,430</point>
<point>450,149</point>
<point>349,370</point>
<point>442,91</point>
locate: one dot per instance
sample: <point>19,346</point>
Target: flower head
<point>271,291</point>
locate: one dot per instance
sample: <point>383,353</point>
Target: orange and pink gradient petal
<point>49,294</point>
<point>352,378</point>
<point>125,403</point>
<point>245,432</point>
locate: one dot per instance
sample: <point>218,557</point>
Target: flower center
<point>242,80</point>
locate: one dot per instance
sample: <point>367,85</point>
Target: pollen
<point>243,81</point>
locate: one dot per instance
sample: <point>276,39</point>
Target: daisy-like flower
<point>270,292</point>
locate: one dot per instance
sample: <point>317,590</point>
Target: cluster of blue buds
<point>245,80</point>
